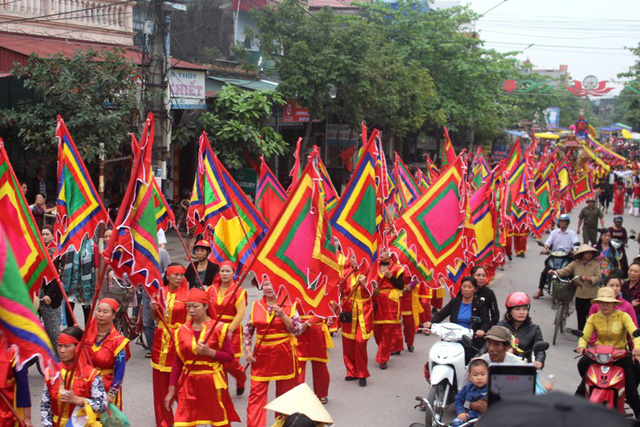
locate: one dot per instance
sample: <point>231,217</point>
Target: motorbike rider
<point>525,332</point>
<point>619,233</point>
<point>611,327</point>
<point>560,239</point>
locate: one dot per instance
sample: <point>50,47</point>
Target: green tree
<point>343,65</point>
<point>627,107</point>
<point>94,92</point>
<point>237,126</point>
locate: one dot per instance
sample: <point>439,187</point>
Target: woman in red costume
<point>174,315</point>
<point>225,292</point>
<point>387,329</point>
<point>202,346</point>
<point>14,386</point>
<point>273,359</point>
<point>108,349</point>
<point>619,193</point>
<point>313,345</point>
<point>78,385</point>
<point>356,331</point>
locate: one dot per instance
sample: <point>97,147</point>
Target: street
<point>389,397</point>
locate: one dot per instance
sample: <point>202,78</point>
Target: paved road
<point>388,399</point>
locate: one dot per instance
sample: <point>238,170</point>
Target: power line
<point>36,18</point>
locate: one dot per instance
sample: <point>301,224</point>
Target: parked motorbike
<point>446,370</point>
<point>605,382</point>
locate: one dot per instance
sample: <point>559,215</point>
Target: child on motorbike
<point>475,390</point>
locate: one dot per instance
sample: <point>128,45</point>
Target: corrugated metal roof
<point>45,46</point>
<point>247,84</point>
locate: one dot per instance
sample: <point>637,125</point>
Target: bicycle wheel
<point>565,315</point>
<point>558,320</point>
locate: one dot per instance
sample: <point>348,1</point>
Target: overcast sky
<point>589,36</point>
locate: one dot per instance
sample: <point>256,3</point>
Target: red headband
<point>229,264</point>
<point>67,339</point>
<point>198,295</point>
<point>111,303</point>
<point>175,269</point>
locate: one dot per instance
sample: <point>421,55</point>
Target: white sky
<point>589,36</point>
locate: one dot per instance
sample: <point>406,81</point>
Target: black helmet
<point>618,218</point>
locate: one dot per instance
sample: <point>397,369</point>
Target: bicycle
<point>129,325</point>
<point>562,291</point>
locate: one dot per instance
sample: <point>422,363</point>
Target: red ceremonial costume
<point>387,329</point>
<point>275,356</point>
<point>7,382</point>
<point>203,397</point>
<point>425,295</point>
<point>234,296</point>
<point>411,309</point>
<point>103,355</point>
<point>313,345</point>
<point>619,193</point>
<point>83,376</point>
<point>163,352</point>
<point>356,333</point>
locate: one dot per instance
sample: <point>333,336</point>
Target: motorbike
<point>605,382</point>
<point>446,370</point>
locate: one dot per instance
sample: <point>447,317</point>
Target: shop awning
<point>246,84</point>
<point>547,135</point>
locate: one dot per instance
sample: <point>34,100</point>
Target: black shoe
<point>509,257</point>
<point>324,400</point>
<point>383,366</point>
<point>350,378</point>
<point>362,382</point>
<point>395,353</point>
<point>411,349</point>
<point>520,255</point>
<point>239,391</point>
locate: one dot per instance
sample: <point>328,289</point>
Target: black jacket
<point>488,297</point>
<point>192,276</point>
<point>52,290</point>
<point>528,334</point>
<point>451,310</point>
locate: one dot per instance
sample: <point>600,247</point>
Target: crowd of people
<point>200,325</point>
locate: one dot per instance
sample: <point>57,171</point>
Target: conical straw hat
<point>301,399</point>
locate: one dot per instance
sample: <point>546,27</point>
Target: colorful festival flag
<point>327,190</point>
<point>542,217</point>
<point>432,170</point>
<point>439,239</point>
<point>222,212</point>
<point>19,324</point>
<point>449,157</point>
<point>479,169</point>
<point>270,195</point>
<point>582,189</point>
<point>358,216</point>
<point>483,222</point>
<point>31,255</point>
<point>298,254</point>
<point>422,180</point>
<point>407,189</point>
<point>79,210</point>
<point>164,215</point>
<point>133,247</point>
<point>296,170</point>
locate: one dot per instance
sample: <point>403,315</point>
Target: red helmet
<point>517,299</point>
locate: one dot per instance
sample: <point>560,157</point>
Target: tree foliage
<point>95,93</point>
<point>627,108</point>
<point>237,126</point>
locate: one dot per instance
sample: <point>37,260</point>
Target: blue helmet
<point>563,217</point>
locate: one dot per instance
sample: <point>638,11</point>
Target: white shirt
<point>562,240</point>
<point>509,358</point>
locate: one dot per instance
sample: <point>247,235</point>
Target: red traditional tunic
<point>175,316</point>
<point>7,383</point>
<point>387,310</point>
<point>232,299</point>
<point>83,377</point>
<point>357,300</point>
<point>315,342</point>
<point>196,402</point>
<point>275,358</point>
<point>103,356</point>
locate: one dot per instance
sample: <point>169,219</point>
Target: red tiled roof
<point>44,46</point>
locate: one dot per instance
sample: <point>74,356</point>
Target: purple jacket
<point>625,307</point>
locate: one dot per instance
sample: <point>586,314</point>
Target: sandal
<point>148,355</point>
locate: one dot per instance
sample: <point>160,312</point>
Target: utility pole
<point>157,93</point>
